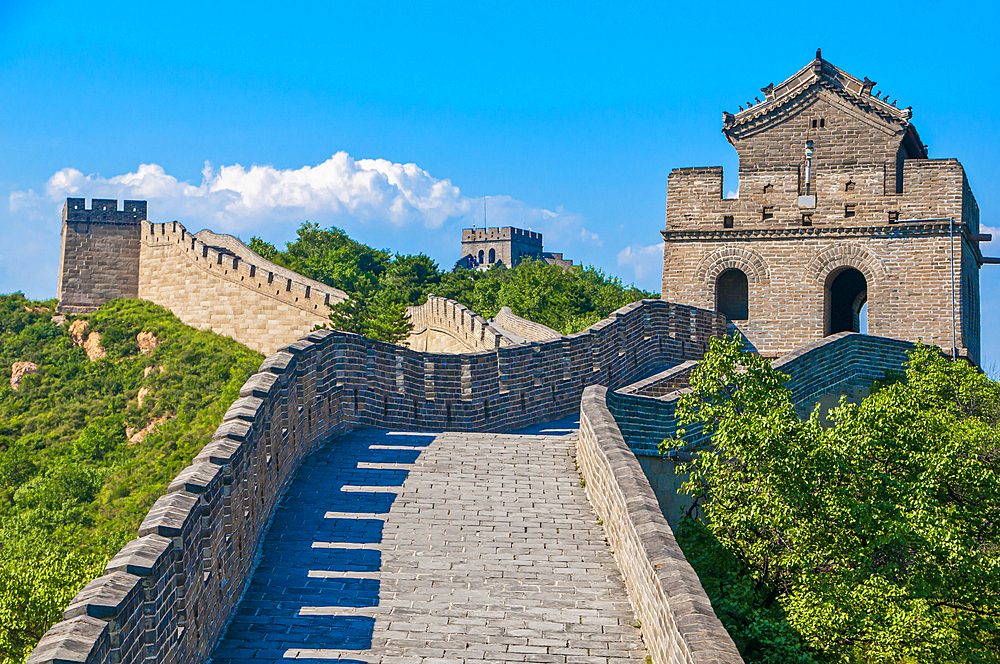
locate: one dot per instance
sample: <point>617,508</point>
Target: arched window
<point>480,256</point>
<point>493,255</point>
<point>846,297</point>
<point>732,294</point>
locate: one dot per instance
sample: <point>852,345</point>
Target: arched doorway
<point>481,255</point>
<point>732,294</point>
<point>493,256</point>
<point>846,297</point>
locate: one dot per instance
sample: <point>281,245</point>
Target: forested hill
<point>383,284</point>
<point>102,412</point>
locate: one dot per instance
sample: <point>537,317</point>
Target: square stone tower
<point>840,215</point>
<point>99,260</point>
<point>508,245</point>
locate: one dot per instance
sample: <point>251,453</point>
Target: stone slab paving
<point>426,548</point>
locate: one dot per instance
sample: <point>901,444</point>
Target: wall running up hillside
<point>168,595</point>
<point>215,282</point>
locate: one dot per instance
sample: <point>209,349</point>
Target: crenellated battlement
<point>501,233</point>
<point>103,211</point>
<point>237,292</point>
<point>441,325</point>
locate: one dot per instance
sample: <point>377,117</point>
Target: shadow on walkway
<point>311,579</point>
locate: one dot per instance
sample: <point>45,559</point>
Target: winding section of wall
<point>441,325</point>
<point>216,282</point>
<point>678,623</point>
<point>167,596</point>
<point>815,369</point>
<point>522,327</point>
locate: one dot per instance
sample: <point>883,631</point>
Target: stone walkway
<point>423,548</point>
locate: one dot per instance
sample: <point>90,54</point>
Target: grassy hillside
<point>77,475</point>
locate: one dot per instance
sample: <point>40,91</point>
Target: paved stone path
<point>424,548</point>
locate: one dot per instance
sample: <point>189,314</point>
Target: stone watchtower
<point>508,245</point>
<point>100,253</point>
<point>839,207</point>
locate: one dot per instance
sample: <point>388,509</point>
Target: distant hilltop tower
<point>484,247</point>
<point>839,206</point>
<point>100,253</point>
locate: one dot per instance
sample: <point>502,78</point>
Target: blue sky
<point>394,121</point>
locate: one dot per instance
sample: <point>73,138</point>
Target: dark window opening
<point>893,217</point>
<point>849,186</point>
<point>846,295</point>
<point>727,221</point>
<point>815,123</point>
<point>482,255</point>
<point>807,220</point>
<point>493,255</point>
<point>822,122</point>
<point>850,210</point>
<point>732,295</point>
<point>768,212</point>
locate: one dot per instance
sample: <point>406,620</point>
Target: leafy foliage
<point>73,489</point>
<point>873,539</point>
<point>382,285</point>
<point>374,315</point>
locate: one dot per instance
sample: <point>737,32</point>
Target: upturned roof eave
<point>816,75</point>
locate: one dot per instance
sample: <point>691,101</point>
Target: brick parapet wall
<point>216,282</point>
<point>662,383</point>
<point>167,595</point>
<point>522,327</point>
<point>443,325</point>
<point>814,369</point>
<point>678,622</point>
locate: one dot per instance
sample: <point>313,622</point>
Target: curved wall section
<point>215,282</point>
<point>441,325</point>
<point>167,596</point>
<point>522,327</point>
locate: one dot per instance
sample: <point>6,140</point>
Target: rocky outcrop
<point>147,342</point>
<point>19,370</point>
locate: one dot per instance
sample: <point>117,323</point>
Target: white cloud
<point>386,204</point>
<point>645,261</point>
<point>232,197</point>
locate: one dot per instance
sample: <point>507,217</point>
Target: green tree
<point>873,539</point>
<point>331,257</point>
<point>265,250</point>
<point>381,285</point>
<point>411,278</point>
<point>377,315</point>
<point>33,595</point>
